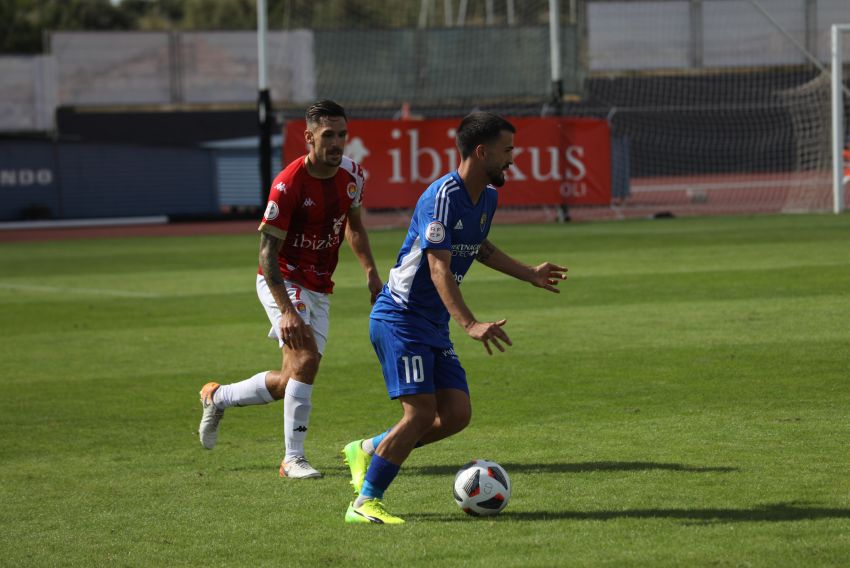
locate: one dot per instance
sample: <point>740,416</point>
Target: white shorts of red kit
<point>313,307</point>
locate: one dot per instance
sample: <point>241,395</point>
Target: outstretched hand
<point>546,276</point>
<point>486,332</point>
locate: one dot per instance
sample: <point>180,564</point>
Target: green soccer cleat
<point>358,462</point>
<point>371,511</point>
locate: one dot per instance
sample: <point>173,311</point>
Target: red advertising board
<point>556,160</point>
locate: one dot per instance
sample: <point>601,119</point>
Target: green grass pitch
<point>685,401</point>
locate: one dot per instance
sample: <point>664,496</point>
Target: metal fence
<point>625,35</point>
<point>437,63</point>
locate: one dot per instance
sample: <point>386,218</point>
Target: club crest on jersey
<point>483,221</point>
<point>272,211</point>
<point>351,189</point>
<point>300,307</point>
<point>436,232</point>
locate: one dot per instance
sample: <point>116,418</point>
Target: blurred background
<point>136,108</point>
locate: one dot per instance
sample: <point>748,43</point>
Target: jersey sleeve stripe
<point>438,201</point>
<point>444,218</point>
<point>441,205</point>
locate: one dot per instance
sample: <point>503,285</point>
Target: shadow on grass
<point>576,468</point>
<point>779,512</point>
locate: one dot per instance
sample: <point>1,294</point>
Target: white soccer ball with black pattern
<point>482,488</point>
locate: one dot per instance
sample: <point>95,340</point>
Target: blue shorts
<point>411,366</point>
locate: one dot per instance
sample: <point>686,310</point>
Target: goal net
<point>724,105</point>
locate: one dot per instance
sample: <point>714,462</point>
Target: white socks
<point>244,393</point>
<point>296,414</point>
<point>296,406</point>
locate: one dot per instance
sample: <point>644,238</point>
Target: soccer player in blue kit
<point>409,324</point>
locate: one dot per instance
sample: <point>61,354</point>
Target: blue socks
<point>381,472</point>
<point>369,445</point>
<point>376,441</point>
<point>378,477</point>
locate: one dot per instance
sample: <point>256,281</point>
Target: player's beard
<point>333,158</point>
<point>497,176</point>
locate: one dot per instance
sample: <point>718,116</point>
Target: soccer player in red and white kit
<point>313,203</point>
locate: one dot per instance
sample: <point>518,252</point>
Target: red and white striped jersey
<point>310,215</point>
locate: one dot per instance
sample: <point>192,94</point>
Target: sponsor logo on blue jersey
<point>409,295</point>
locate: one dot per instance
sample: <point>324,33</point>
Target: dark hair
<point>480,128</point>
<point>323,109</point>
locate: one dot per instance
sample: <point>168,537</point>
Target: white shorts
<point>313,307</point>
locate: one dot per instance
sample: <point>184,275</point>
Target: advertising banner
<point>556,160</point>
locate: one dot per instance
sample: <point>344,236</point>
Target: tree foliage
<point>24,22</point>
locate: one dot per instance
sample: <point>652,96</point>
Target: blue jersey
<point>444,219</point>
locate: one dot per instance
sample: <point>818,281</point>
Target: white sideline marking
<point>77,223</point>
<point>83,291</point>
<point>725,185</point>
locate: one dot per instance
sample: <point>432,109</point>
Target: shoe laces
<point>216,414</point>
<point>378,506</point>
<point>300,462</point>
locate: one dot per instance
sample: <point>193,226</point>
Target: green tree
<point>18,27</point>
<point>23,22</point>
<point>155,14</point>
<point>220,14</point>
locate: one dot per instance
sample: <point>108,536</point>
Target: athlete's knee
<point>455,411</point>
<point>309,363</point>
<point>456,419</point>
<point>302,365</point>
<point>276,384</point>
<point>420,419</point>
<point>462,418</point>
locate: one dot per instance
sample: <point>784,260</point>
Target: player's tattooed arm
<point>485,251</point>
<point>544,275</point>
<point>270,247</point>
<point>293,330</point>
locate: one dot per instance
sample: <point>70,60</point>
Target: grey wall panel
<point>738,35</point>
<point>638,35</point>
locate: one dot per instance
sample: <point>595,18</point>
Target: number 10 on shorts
<point>415,365</point>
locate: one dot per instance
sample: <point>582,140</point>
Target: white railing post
<point>838,118</point>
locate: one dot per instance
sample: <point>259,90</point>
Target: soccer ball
<point>482,488</point>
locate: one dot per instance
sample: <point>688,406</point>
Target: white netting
<point>443,58</point>
<point>721,107</point>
